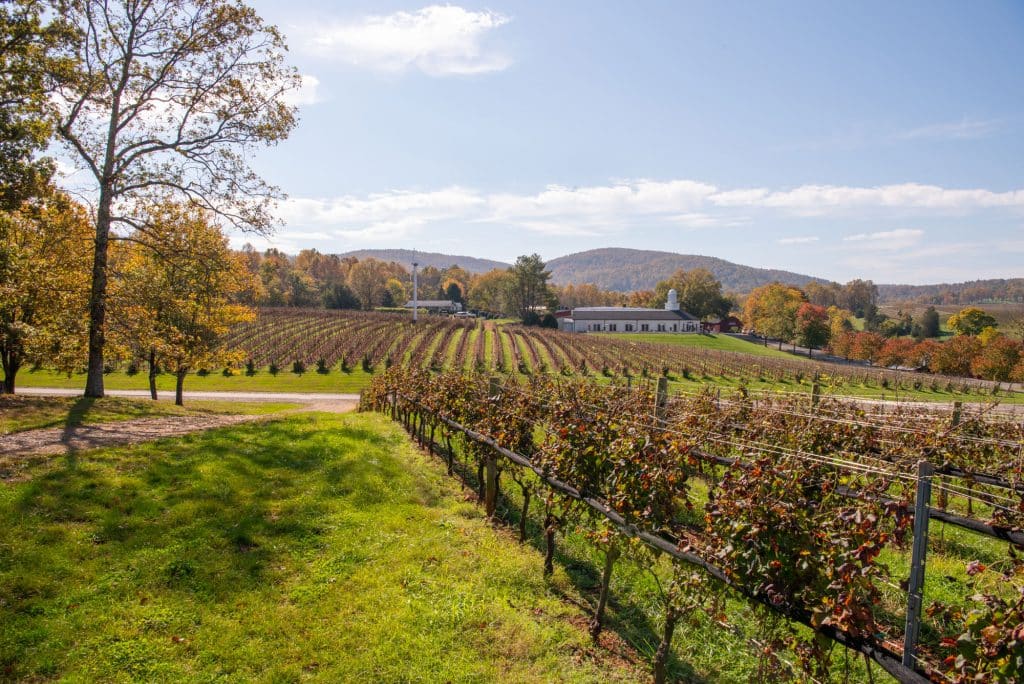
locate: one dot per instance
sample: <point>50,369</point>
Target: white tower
<point>672,303</point>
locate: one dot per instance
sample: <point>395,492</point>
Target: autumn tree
<point>955,356</point>
<point>44,275</point>
<point>587,294</point>
<point>897,351</point>
<point>812,328</point>
<point>27,42</point>
<point>174,299</point>
<point>168,97</point>
<point>771,310</point>
<point>970,321</point>
<point>997,359</point>
<point>490,291</point>
<point>823,294</point>
<point>838,321</point>
<point>643,299</point>
<point>368,280</point>
<point>860,297</point>
<point>699,293</point>
<point>866,346</point>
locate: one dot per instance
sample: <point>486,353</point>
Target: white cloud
<point>954,130</point>
<point>380,207</point>
<point>607,208</point>
<point>900,238</point>
<point>306,94</point>
<point>439,40</point>
<point>820,199</point>
<point>621,206</point>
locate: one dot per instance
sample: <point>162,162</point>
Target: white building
<point>436,305</point>
<point>631,319</point>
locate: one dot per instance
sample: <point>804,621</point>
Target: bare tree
<point>168,98</point>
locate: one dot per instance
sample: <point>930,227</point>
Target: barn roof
<point>624,313</point>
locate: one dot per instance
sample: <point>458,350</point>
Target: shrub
<point>250,367</point>
<point>367,364</point>
<point>227,372</point>
<point>321,366</point>
<point>274,368</point>
<point>132,368</point>
<point>202,372</point>
<point>298,366</point>
<point>345,368</point>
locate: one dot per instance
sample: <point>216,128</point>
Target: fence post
<point>915,590</point>
<point>815,390</point>
<point>661,400</point>
<point>491,461</point>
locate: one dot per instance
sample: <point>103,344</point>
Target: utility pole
<point>415,294</point>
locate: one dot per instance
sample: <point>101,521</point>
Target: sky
<point>880,140</point>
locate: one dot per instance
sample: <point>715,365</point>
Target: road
<point>297,397</point>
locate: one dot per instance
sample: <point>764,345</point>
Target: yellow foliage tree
<point>771,311</point>
<point>175,297</point>
<point>45,254</point>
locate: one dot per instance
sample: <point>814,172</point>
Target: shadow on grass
<point>206,514</point>
<point>625,617</point>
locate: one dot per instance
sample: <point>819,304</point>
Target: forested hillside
<point>435,259</point>
<point>624,270</point>
<point>971,292</point>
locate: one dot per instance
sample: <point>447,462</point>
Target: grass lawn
<point>261,381</point>
<point>28,413</point>
<point>716,342</point>
<point>312,547</point>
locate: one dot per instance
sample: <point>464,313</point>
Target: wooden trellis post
<point>491,463</point>
<point>915,590</point>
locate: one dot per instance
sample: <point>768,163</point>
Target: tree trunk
<point>661,656</point>
<point>11,364</point>
<point>179,385</point>
<point>152,374</point>
<point>10,359</point>
<point>98,297</point>
<point>610,556</point>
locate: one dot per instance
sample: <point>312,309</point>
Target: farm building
<point>729,324</point>
<point>631,319</point>
<point>436,305</point>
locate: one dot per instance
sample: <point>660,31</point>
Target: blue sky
<point>873,139</point>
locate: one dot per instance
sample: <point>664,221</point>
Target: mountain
<point>435,259</point>
<point>624,270</point>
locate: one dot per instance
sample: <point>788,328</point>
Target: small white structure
<point>436,305</point>
<point>631,319</point>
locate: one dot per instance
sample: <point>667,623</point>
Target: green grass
<point>717,342</point>
<point>261,381</point>
<point>19,413</point>
<point>313,547</point>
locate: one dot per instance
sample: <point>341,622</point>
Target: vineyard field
<point>804,506</point>
<point>371,342</point>
<point>294,350</point>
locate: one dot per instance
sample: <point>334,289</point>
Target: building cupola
<point>672,303</point>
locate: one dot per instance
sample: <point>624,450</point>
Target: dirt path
<point>62,440</point>
<point>78,438</point>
